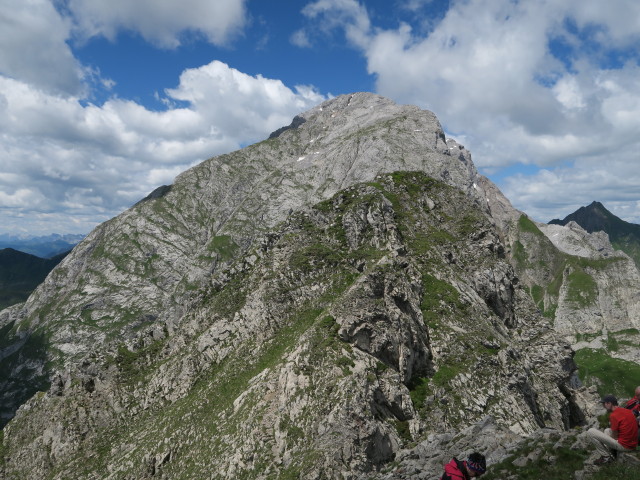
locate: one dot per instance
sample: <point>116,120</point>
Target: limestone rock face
<point>382,316</point>
<point>311,306</point>
<point>578,278</point>
<point>575,240</point>
<point>613,301</point>
<point>142,268</point>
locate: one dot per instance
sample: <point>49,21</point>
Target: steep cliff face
<point>308,306</point>
<point>576,278</point>
<point>381,316</point>
<point>142,268</point>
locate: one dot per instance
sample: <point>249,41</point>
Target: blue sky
<point>101,101</point>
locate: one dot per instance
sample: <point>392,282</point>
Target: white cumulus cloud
<point>159,21</point>
<point>33,46</point>
<point>89,162</point>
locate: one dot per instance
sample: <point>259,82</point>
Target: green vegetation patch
<point>418,391</point>
<point>537,293</point>
<point>446,373</point>
<point>224,246</point>
<point>325,345</point>
<point>133,365</point>
<point>617,471</point>
<point>229,299</point>
<point>628,331</point>
<point>550,461</point>
<point>421,387</point>
<point>439,299</point>
<point>608,374</point>
<point>612,343</point>
<point>423,243</point>
<point>525,225</point>
<point>294,432</point>
<point>312,257</point>
<point>625,337</point>
<point>519,253</point>
<point>468,224</point>
<point>415,182</point>
<point>402,427</point>
<point>554,286</point>
<point>581,288</point>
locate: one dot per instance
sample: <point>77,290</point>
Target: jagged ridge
<point>198,329</point>
<point>353,331</point>
<point>141,269</point>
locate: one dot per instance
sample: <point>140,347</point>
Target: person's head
<point>609,402</point>
<point>476,464</point>
<point>637,395</point>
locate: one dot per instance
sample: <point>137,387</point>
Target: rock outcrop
<point>142,268</point>
<point>317,305</point>
<point>576,277</point>
<point>595,218</point>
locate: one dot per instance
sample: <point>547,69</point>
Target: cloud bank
<point>33,46</point>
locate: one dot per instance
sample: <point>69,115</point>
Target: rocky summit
<point>347,299</point>
<point>596,218</point>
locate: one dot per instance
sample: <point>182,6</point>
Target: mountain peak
<point>296,306</point>
<point>596,206</point>
<point>595,217</point>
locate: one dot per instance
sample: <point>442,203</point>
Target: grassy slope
<point>610,375</point>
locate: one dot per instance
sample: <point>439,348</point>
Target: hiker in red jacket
<point>633,404</point>
<point>474,466</point>
<point>621,437</point>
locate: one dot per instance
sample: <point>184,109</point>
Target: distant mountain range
<point>595,217</point>
<point>21,273</point>
<point>47,246</point>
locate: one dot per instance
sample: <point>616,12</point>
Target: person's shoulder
<point>632,404</point>
<point>623,413</point>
